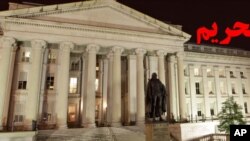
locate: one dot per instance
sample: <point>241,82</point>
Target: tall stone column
<point>205,91</point>
<point>7,61</point>
<point>116,100</point>
<point>132,89</point>
<point>34,82</point>
<point>181,87</point>
<point>105,91</point>
<point>161,65</point>
<point>140,116</point>
<point>193,100</point>
<point>89,117</point>
<point>63,83</point>
<point>110,88</point>
<point>217,88</point>
<point>173,109</point>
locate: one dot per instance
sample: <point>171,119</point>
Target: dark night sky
<point>192,14</point>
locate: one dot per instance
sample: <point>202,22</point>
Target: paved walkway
<point>129,133</point>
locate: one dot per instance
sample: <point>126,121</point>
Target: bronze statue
<point>156,98</point>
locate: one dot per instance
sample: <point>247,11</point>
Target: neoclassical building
<point>86,64</point>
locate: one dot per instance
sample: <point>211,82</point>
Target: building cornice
<point>77,6</point>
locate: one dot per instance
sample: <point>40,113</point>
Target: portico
<point>81,73</point>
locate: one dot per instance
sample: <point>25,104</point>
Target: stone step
<point>92,134</point>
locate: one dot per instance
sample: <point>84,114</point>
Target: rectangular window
<point>212,112</point>
<point>26,56</point>
<point>212,107</point>
<point>231,74</point>
<point>18,117</point>
<point>210,87</point>
<point>209,72</point>
<point>244,89</point>
<point>186,87</point>
<point>72,112</point>
<point>196,71</point>
<point>73,85</point>
<point>186,71</point>
<point>221,72</point>
<point>197,87</point>
<point>242,75</point>
<point>199,111</point>
<point>233,88</point>
<point>51,57</point>
<point>75,66</point>
<point>22,80</point>
<point>222,87</point>
<point>50,82</point>
<point>245,107</point>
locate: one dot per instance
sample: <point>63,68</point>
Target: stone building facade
<point>86,64</point>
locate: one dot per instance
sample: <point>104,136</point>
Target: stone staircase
<point>129,133</point>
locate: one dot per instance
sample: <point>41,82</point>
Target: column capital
<point>8,42</point>
<point>161,52</point>
<point>117,49</point>
<point>216,68</point>
<point>131,56</point>
<point>92,48</point>
<point>171,58</point>
<point>180,55</point>
<point>140,51</point>
<point>203,66</point>
<point>190,66</point>
<point>66,46</point>
<point>110,55</point>
<point>38,44</point>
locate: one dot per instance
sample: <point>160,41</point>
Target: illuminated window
<point>72,112</point>
<point>50,82</point>
<point>221,72</point>
<point>73,85</point>
<point>18,117</point>
<point>96,84</point>
<point>209,72</point>
<point>51,57</point>
<point>22,80</point>
<point>196,71</point>
<point>26,56</point>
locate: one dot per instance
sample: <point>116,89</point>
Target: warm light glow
<point>96,84</point>
<point>104,105</point>
<point>73,85</point>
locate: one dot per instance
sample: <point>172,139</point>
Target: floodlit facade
<point>86,64</point>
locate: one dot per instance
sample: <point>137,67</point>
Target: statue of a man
<point>156,98</point>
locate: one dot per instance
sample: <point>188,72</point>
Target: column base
<point>64,126</point>
<point>1,128</point>
<point>116,124</point>
<point>140,124</point>
<point>88,125</point>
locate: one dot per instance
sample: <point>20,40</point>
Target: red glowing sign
<point>239,28</point>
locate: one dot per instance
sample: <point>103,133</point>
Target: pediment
<point>99,13</point>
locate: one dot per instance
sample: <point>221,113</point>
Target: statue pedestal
<point>157,131</point>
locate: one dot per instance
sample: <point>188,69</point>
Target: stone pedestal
<point>157,132</point>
